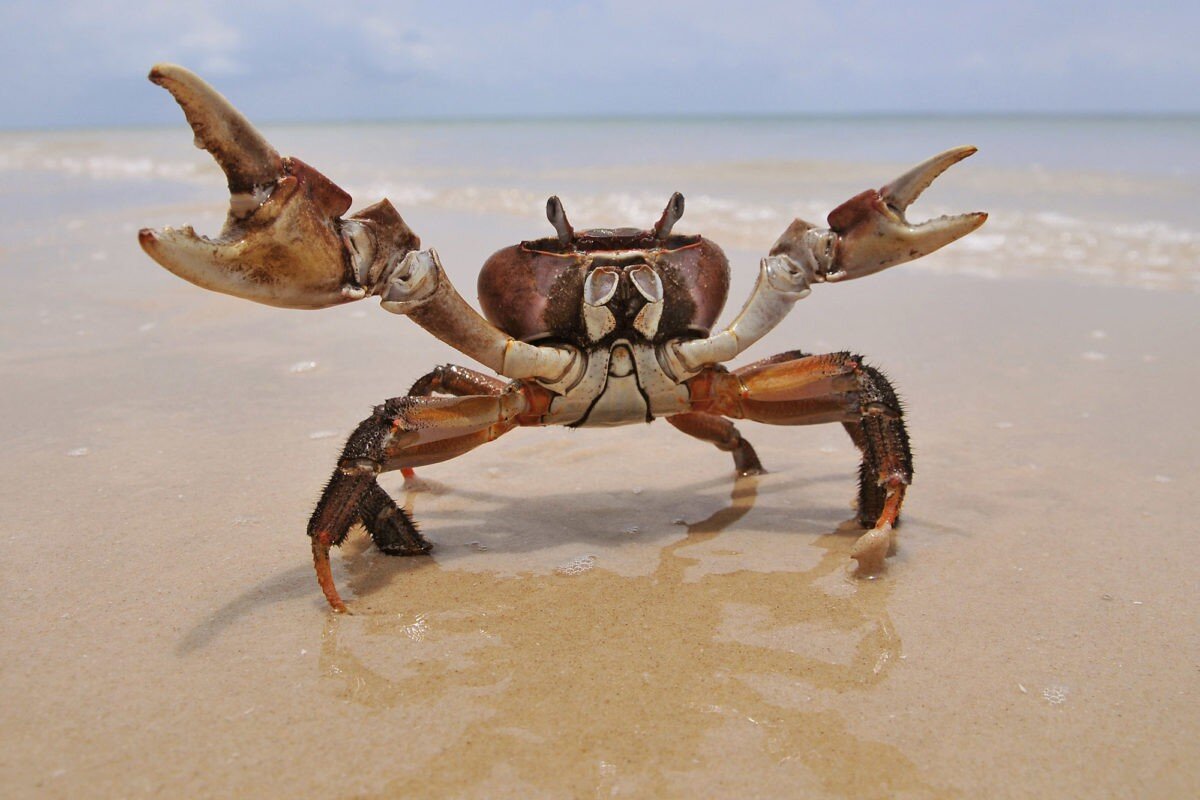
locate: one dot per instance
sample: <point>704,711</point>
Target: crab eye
<point>647,282</point>
<point>600,286</point>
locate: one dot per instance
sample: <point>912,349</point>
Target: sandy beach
<point>607,613</point>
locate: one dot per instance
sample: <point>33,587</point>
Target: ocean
<point>1102,200</point>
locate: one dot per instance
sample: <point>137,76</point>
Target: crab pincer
<point>869,232</point>
<point>284,242</point>
<point>873,233</point>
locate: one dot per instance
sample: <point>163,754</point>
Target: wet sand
<point>606,613</point>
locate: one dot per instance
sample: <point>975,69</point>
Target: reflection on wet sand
<point>601,684</point>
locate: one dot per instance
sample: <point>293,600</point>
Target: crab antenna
<point>670,215</point>
<point>558,218</point>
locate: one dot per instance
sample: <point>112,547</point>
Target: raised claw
<point>247,159</point>
<point>873,233</point>
<point>284,242</point>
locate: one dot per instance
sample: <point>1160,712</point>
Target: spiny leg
<point>453,380</point>
<point>882,439</point>
<point>390,526</point>
<point>886,469</point>
<point>403,432</point>
<point>725,435</point>
<point>340,503</point>
<point>837,387</point>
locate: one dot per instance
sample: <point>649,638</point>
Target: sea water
<point>1107,200</point>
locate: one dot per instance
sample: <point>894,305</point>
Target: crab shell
<point>533,290</point>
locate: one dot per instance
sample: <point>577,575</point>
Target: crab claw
<point>284,242</point>
<point>873,234</point>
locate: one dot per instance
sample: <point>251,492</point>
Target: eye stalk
<point>558,218</point>
<point>670,215</point>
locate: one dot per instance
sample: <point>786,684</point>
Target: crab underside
<point>596,327</point>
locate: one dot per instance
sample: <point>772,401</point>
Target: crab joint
<point>880,410</point>
<point>781,282</point>
<point>411,281</point>
<point>551,365</point>
<point>358,466</point>
<point>812,247</point>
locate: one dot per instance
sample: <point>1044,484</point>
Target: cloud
<point>71,62</point>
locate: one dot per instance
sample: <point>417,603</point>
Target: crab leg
<point>725,435</point>
<point>866,234</point>
<point>453,380</point>
<point>457,381</point>
<point>403,432</point>
<point>837,387</point>
<point>390,527</point>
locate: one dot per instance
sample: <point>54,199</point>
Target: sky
<point>83,63</point>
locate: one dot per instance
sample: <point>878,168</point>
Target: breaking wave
<point>1147,253</point>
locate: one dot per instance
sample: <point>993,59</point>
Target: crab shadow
<point>498,526</point>
<point>508,535</point>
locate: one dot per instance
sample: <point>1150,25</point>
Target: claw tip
<point>162,71</point>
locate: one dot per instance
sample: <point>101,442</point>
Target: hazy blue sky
<point>83,62</point>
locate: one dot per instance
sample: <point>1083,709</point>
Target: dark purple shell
<point>534,290</point>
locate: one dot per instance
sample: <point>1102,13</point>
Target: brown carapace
<point>532,290</point>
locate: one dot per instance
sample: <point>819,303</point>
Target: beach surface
<point>606,613</point>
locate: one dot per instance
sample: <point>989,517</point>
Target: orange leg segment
<point>798,389</point>
<point>724,435</point>
<point>453,380</point>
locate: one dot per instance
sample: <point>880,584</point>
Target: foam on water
<point>1097,226</point>
<point>1149,254</point>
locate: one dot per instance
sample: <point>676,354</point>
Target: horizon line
<point>686,117</point>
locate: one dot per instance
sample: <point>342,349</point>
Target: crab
<point>600,327</point>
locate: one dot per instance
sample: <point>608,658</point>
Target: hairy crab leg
<point>836,387</point>
<point>403,432</point>
<point>390,526</point>
<point>868,509</point>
